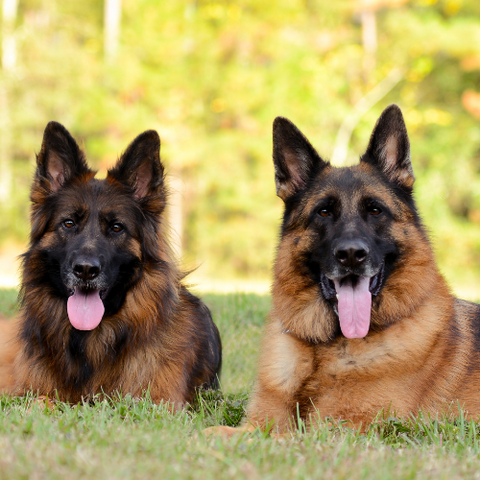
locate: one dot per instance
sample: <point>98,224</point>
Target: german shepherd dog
<point>103,309</point>
<point>361,321</point>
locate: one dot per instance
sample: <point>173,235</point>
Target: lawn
<point>126,438</point>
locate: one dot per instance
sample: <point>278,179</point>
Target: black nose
<point>86,268</point>
<point>351,253</point>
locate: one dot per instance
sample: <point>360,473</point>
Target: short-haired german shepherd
<point>361,321</point>
<point>103,309</point>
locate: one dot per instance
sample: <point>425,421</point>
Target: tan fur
<point>406,367</point>
<point>409,365</point>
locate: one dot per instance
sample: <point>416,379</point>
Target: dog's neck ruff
<point>291,333</point>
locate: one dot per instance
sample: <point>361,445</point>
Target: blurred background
<point>211,75</point>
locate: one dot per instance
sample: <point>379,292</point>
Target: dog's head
<point>92,238</point>
<point>345,228</point>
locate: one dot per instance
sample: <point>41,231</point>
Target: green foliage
<point>211,75</point>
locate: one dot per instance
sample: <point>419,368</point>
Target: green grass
<point>8,301</point>
<point>239,319</point>
<point>122,438</point>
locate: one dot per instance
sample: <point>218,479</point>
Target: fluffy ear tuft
<point>140,167</point>
<point>295,160</point>
<point>60,158</point>
<point>389,148</point>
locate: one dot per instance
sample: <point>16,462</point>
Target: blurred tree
<point>9,47</point>
<point>211,75</point>
<point>113,14</point>
<point>9,60</point>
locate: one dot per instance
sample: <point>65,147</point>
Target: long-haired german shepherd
<point>362,321</point>
<point>102,304</point>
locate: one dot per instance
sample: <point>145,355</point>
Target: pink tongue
<point>85,310</point>
<point>354,307</point>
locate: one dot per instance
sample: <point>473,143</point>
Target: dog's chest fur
<point>385,373</point>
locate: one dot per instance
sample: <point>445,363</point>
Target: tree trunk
<point>9,47</point>
<point>9,62</point>
<point>369,41</point>
<point>112,16</point>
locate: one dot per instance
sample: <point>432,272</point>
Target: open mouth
<point>85,308</point>
<point>352,297</point>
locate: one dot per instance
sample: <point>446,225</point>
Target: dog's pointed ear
<point>294,158</point>
<point>140,167</point>
<point>60,158</point>
<point>389,148</point>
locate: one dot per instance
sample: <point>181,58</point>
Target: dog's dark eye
<point>117,227</point>
<point>68,223</point>
<point>373,210</point>
<point>324,212</point>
